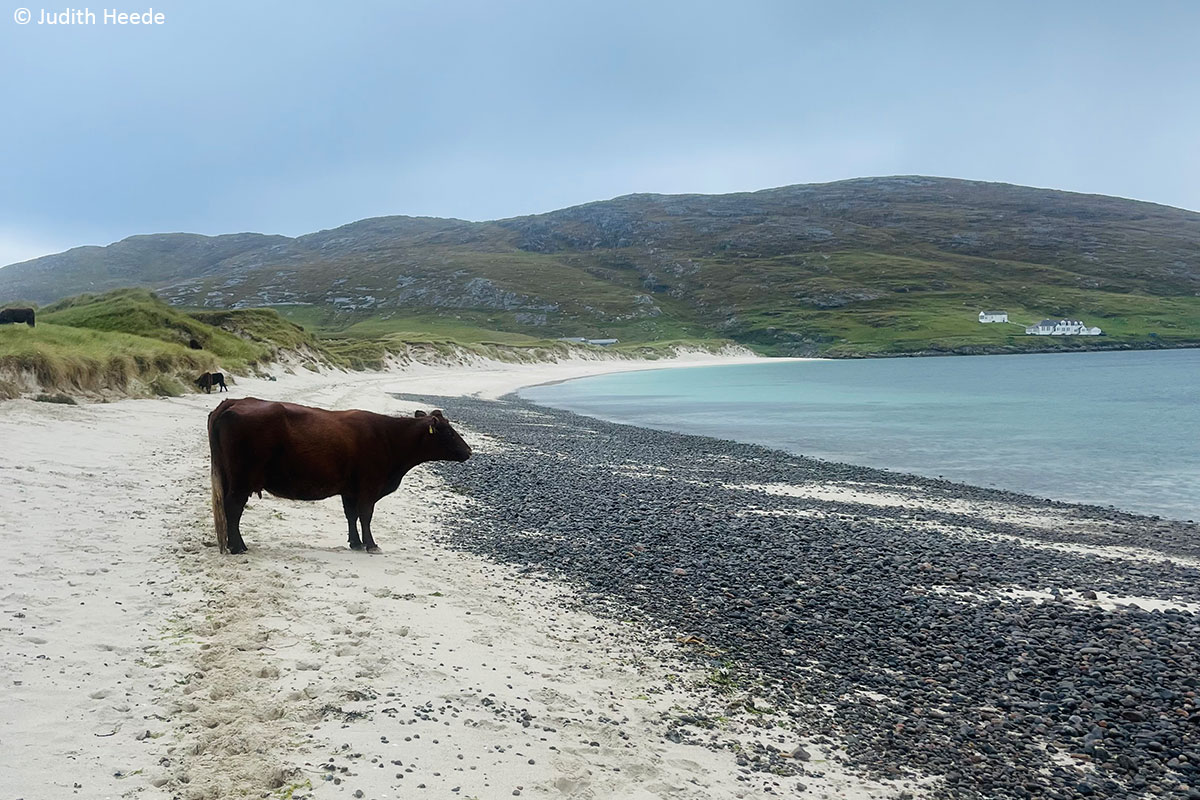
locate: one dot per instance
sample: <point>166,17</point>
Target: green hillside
<point>868,266</point>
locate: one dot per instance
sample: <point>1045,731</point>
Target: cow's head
<point>446,443</point>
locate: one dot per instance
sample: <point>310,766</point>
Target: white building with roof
<point>1062,327</point>
<point>993,316</point>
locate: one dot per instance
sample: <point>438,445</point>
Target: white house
<point>1061,327</point>
<point>993,316</point>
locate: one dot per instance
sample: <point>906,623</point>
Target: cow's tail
<point>218,480</point>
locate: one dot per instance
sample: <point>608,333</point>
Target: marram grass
<point>62,358</point>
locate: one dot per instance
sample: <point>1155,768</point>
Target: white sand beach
<point>137,661</point>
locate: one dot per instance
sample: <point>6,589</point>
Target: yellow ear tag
<point>431,429</point>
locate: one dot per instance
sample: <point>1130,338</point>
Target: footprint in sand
<point>571,786</point>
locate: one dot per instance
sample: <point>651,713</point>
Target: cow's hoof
<point>374,549</point>
<point>237,551</point>
<point>356,545</point>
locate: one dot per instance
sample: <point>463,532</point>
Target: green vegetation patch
<point>141,313</point>
<point>261,326</point>
<point>67,359</point>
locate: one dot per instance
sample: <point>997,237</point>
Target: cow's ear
<point>419,414</point>
<point>438,414</point>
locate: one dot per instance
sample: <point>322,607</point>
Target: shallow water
<point>1119,428</point>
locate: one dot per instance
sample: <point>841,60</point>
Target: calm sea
<point>1120,429</point>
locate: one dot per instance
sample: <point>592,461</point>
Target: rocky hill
<point>898,264</point>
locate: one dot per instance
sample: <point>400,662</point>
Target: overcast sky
<point>290,117</point>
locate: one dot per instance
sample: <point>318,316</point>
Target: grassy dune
<point>365,340</point>
<point>129,342</point>
<point>79,360</point>
<point>140,313</point>
<point>126,342</point>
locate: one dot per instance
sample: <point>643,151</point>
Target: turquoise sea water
<point>1120,429</point>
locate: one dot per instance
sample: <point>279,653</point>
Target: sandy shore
<point>137,661</point>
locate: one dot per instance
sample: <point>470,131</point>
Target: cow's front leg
<point>365,512</point>
<point>350,506</point>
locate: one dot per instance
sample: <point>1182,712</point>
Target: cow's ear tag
<point>431,429</point>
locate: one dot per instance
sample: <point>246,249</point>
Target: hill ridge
<point>863,264</point>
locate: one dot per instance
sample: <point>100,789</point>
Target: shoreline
<point>676,419</point>
<point>900,476</point>
<point>471,656</point>
<point>883,476</point>
<point>878,486</point>
<point>1001,350</point>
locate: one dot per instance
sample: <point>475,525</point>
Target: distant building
<point>583,340</point>
<point>1061,327</point>
<point>993,316</point>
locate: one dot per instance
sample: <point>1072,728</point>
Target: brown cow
<point>303,453</point>
<point>210,379</point>
<point>13,315</point>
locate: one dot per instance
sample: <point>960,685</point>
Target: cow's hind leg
<point>365,512</point>
<point>235,504</point>
<point>350,506</point>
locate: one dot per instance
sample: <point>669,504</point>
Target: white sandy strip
<point>875,495</point>
<point>136,660</point>
<point>1104,600</point>
<point>1116,552</point>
